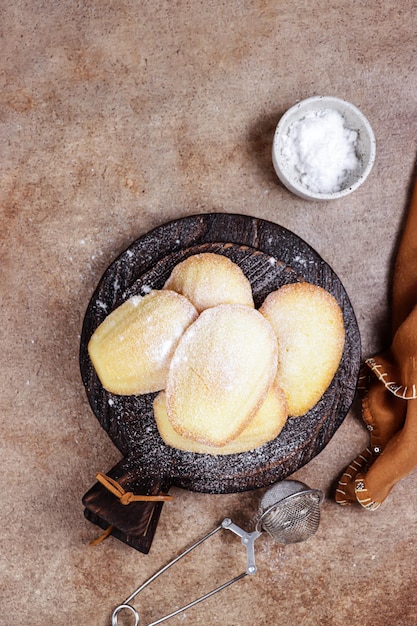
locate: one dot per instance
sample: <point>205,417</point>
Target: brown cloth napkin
<point>388,383</point>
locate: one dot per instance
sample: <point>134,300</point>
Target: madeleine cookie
<point>209,279</point>
<point>220,374</point>
<point>132,348</point>
<point>308,323</point>
<point>267,423</point>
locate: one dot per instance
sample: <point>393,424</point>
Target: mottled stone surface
<point>116,117</point>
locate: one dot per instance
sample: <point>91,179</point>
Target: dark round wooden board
<point>270,256</point>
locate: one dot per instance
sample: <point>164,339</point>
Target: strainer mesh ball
<point>290,512</point>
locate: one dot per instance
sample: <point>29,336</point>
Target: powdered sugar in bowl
<point>323,149</point>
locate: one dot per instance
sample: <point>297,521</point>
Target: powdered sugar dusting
<point>102,305</point>
<point>135,300</point>
<point>129,419</point>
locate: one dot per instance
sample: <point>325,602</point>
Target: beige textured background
<point>116,117</point>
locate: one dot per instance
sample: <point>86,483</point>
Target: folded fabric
<point>388,384</point>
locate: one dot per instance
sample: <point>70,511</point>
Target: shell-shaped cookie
<point>210,279</point>
<point>267,423</point>
<point>308,323</point>
<point>132,348</point>
<point>220,374</point>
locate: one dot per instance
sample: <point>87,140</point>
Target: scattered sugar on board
<point>102,305</point>
<point>322,149</point>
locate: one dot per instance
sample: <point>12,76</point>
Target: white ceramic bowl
<point>288,168</point>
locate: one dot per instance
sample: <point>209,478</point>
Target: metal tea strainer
<point>289,512</point>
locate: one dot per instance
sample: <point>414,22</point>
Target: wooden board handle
<point>109,504</point>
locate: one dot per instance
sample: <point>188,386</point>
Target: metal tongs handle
<point>248,540</point>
